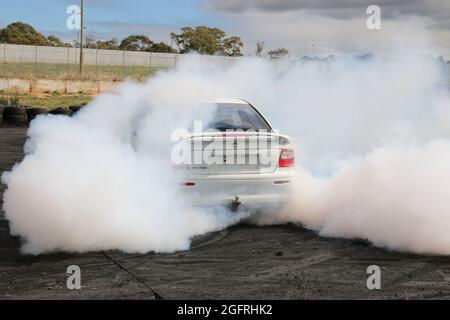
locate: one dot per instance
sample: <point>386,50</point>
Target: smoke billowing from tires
<point>373,146</point>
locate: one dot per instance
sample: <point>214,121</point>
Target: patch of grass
<point>10,99</point>
<point>62,71</point>
<point>51,100</point>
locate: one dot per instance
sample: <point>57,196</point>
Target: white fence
<point>12,53</point>
<point>39,62</point>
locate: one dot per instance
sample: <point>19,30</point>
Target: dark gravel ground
<point>279,262</point>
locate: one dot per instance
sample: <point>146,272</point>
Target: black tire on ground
<point>63,111</point>
<point>33,112</point>
<point>14,110</point>
<point>16,119</point>
<point>75,109</point>
<point>2,107</point>
<point>15,115</point>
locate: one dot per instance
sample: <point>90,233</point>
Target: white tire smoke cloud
<point>395,197</point>
<point>102,180</point>
<point>372,136</point>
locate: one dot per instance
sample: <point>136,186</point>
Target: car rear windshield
<point>236,116</point>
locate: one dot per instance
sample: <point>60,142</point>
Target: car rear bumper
<point>246,193</point>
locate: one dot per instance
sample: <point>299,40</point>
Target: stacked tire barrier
<point>34,112</point>
<point>75,109</point>
<point>16,115</point>
<point>19,115</point>
<point>60,110</point>
<point>2,107</point>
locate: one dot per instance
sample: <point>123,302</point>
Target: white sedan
<point>238,160</point>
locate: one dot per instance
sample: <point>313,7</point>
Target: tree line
<point>202,39</point>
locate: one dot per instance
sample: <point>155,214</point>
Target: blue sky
<point>305,27</point>
<point>107,18</point>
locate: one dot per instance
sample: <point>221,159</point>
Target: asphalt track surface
<point>242,262</point>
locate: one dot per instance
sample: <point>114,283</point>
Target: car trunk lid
<point>234,153</point>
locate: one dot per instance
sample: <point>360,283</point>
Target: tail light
<point>287,158</point>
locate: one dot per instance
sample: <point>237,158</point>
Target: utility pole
<point>81,36</point>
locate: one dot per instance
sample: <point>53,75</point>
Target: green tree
<point>232,46</point>
<point>54,41</point>
<point>22,33</point>
<point>112,44</point>
<point>278,53</point>
<point>206,40</point>
<point>136,43</point>
<point>162,47</point>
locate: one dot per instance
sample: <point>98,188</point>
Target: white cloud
<point>313,32</point>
